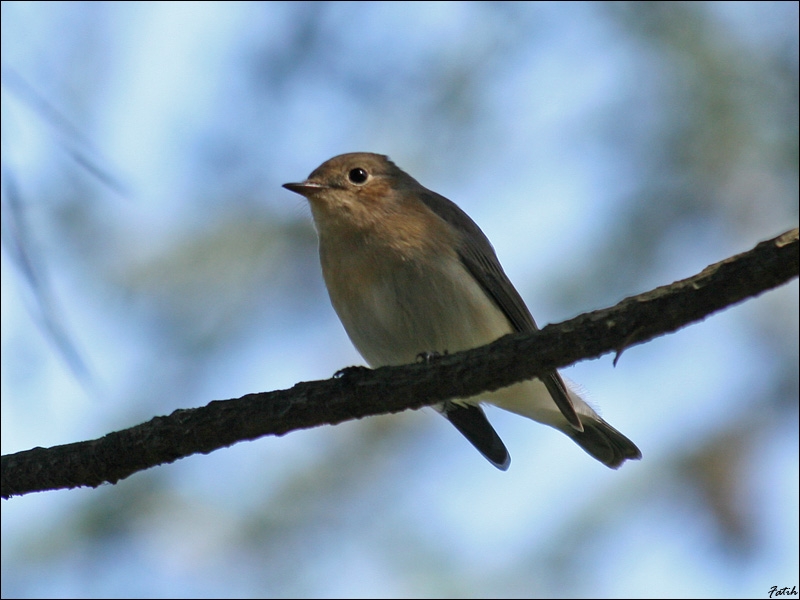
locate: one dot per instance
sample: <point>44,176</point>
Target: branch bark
<point>359,392</point>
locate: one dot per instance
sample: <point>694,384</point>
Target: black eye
<point>358,176</point>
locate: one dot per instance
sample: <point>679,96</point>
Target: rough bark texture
<point>359,392</point>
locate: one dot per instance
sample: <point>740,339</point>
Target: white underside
<point>392,320</point>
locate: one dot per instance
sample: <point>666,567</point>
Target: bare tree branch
<point>358,392</point>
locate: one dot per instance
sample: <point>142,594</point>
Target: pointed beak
<point>305,188</point>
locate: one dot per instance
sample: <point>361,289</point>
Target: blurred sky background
<point>151,261</point>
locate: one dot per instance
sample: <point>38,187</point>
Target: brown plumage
<point>409,272</point>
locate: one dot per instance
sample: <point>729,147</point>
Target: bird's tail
<point>603,442</point>
<point>471,421</point>
<point>599,439</point>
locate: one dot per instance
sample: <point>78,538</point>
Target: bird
<point>409,273</point>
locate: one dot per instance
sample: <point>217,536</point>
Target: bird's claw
<point>347,371</point>
<point>429,357</point>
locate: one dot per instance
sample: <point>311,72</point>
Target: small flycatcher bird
<point>408,272</point>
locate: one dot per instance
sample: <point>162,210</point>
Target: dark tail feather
<point>603,442</point>
<point>558,392</point>
<point>474,426</point>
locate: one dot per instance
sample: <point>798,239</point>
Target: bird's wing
<point>479,258</point>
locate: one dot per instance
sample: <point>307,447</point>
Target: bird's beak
<point>305,188</point>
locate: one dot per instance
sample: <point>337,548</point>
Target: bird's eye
<point>358,176</point>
